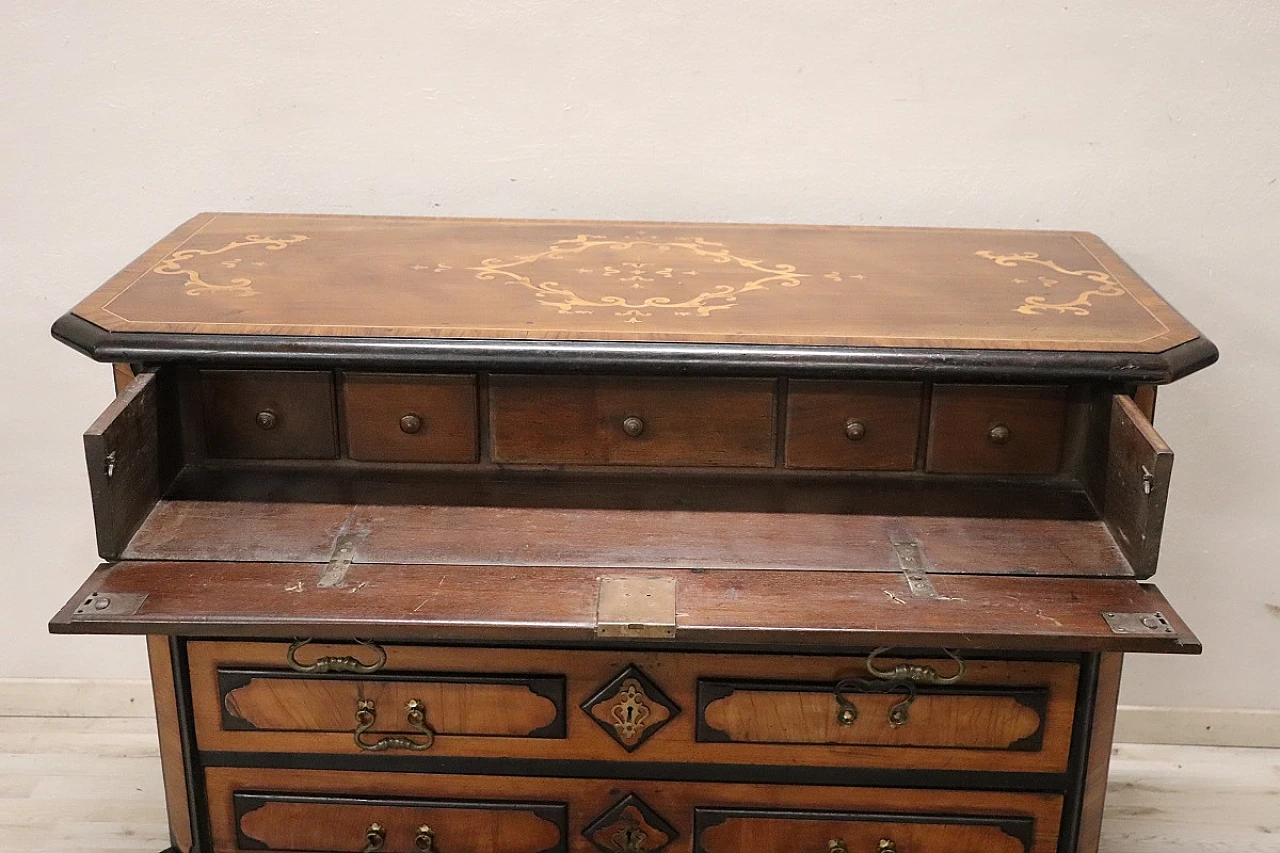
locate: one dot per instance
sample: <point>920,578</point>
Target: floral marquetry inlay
<point>1040,304</point>
<point>197,285</point>
<point>634,278</point>
<point>631,708</point>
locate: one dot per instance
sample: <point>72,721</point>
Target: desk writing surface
<point>403,277</point>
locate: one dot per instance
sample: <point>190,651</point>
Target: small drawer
<point>337,824</point>
<point>996,429</point>
<point>613,421</point>
<point>405,418</point>
<point>732,830</point>
<point>265,414</point>
<point>871,426</point>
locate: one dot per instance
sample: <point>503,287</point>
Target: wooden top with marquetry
<point>391,277</point>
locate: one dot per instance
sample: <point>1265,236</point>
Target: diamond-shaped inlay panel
<point>630,826</point>
<point>631,708</point>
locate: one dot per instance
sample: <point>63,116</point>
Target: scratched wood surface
<point>261,274</point>
<point>75,785</point>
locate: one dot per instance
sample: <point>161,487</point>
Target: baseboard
<point>86,697</point>
<point>1256,727</point>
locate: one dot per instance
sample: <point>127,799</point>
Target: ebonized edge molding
<point>634,357</point>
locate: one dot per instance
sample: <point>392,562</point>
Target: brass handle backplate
<point>916,672</point>
<point>847,712</point>
<point>367,716</point>
<point>633,426</point>
<point>410,424</point>
<point>886,846</point>
<point>425,840</point>
<point>344,663</point>
<point>836,845</point>
<point>854,429</point>
<point>374,837</point>
<point>266,419</point>
<point>999,434</point>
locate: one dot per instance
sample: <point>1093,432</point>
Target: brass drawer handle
<point>410,424</point>
<point>836,845</point>
<point>337,664</point>
<point>266,419</point>
<point>917,672</point>
<point>367,715</point>
<point>854,429</point>
<point>999,435</point>
<point>374,837</point>
<point>633,426</point>
<point>425,839</point>
<point>886,846</point>
<point>899,713</point>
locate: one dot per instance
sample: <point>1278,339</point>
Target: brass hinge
<point>911,561</point>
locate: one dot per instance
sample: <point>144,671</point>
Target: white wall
<point>1152,123</point>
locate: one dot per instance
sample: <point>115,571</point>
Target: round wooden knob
<point>999,434</point>
<point>266,419</point>
<point>410,424</point>
<point>633,426</point>
<point>854,429</point>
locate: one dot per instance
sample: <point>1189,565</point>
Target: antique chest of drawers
<point>522,537</point>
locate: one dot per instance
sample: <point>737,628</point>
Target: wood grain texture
<point>583,420</point>
<point>300,404</point>
<point>122,452</point>
<point>374,404</point>
<point>1098,757</point>
<point>171,757</point>
<point>673,801</point>
<point>675,739</point>
<point>735,830</point>
<point>338,824</point>
<point>756,608</point>
<point>618,281</point>
<point>204,529</point>
<point>1139,468</point>
<point>886,415</point>
<point>962,418</point>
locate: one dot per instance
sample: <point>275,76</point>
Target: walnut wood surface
<point>315,724</point>
<point>171,758</point>
<point>559,605</point>
<point>964,416</point>
<point>374,404</point>
<point>622,538</point>
<point>887,415</point>
<point>582,420</point>
<point>299,402</point>
<point>674,802</point>
<point>814,832</point>
<point>259,274</point>
<point>1139,467</point>
<point>1098,757</point>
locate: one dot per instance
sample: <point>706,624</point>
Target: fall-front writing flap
<point>561,604</point>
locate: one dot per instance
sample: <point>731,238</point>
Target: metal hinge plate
<point>636,607</point>
<point>911,561</point>
<point>105,605</point>
<point>1138,623</point>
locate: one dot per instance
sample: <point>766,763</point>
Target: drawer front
<point>616,421</point>
<point>253,808</point>
<point>405,418</point>
<point>291,822</point>
<point>996,429</point>
<point>872,426</point>
<point>600,705</point>
<point>262,414</point>
<point>775,831</point>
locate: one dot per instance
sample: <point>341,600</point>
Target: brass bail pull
<point>374,837</point>
<point>919,673</point>
<point>344,663</point>
<point>425,840</point>
<point>367,717</point>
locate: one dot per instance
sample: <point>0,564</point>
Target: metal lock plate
<point>636,607</point>
<point>1138,623</point>
<point>104,605</point>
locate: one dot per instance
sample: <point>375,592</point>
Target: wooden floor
<point>93,785</point>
